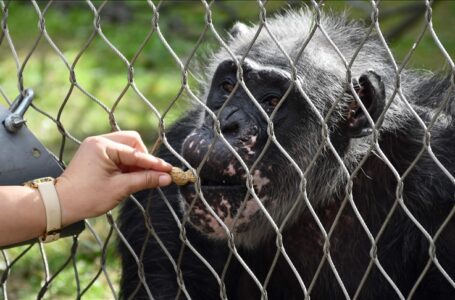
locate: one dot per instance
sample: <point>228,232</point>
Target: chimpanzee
<point>324,152</point>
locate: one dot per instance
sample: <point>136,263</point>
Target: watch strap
<point>51,203</point>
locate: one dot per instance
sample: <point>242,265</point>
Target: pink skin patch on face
<point>249,145</point>
<point>250,209</point>
<point>259,181</point>
<point>209,224</point>
<point>230,170</point>
<point>226,211</point>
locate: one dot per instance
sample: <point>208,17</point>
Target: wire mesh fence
<point>291,216</point>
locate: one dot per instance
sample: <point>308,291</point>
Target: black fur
<point>402,250</point>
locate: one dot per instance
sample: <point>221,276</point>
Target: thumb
<point>141,180</point>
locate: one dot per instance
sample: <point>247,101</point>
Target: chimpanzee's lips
<point>213,192</point>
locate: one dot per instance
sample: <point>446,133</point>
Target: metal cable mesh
<point>50,274</point>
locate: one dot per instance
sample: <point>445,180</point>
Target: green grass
<point>28,275</point>
<point>103,74</point>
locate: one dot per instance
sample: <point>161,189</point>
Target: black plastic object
<point>23,157</point>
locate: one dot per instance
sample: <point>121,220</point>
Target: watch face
<point>44,179</point>
<point>34,183</point>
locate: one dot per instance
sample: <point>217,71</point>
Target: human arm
<point>103,172</point>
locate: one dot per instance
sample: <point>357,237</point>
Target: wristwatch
<point>49,196</point>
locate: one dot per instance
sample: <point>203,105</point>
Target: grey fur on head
<point>321,74</point>
<point>291,29</point>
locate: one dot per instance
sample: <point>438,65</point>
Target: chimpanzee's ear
<point>238,29</point>
<point>371,92</point>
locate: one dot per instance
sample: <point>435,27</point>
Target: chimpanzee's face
<point>223,178</point>
<point>274,158</point>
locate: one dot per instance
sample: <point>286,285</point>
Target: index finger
<point>127,137</point>
<point>126,156</point>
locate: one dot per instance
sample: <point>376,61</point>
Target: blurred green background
<point>101,73</point>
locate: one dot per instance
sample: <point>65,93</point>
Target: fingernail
<point>164,180</point>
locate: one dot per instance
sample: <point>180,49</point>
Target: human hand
<point>104,171</point>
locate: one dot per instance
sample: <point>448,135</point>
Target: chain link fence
<point>87,265</point>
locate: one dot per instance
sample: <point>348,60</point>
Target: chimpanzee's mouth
<point>213,191</point>
<point>208,183</point>
<point>224,188</point>
<point>226,182</point>
<point>218,186</point>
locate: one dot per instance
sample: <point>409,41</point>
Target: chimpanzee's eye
<point>271,101</point>
<point>228,86</point>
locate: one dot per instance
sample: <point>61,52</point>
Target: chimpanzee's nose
<point>231,120</point>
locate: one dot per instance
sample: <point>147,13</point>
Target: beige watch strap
<point>53,211</point>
